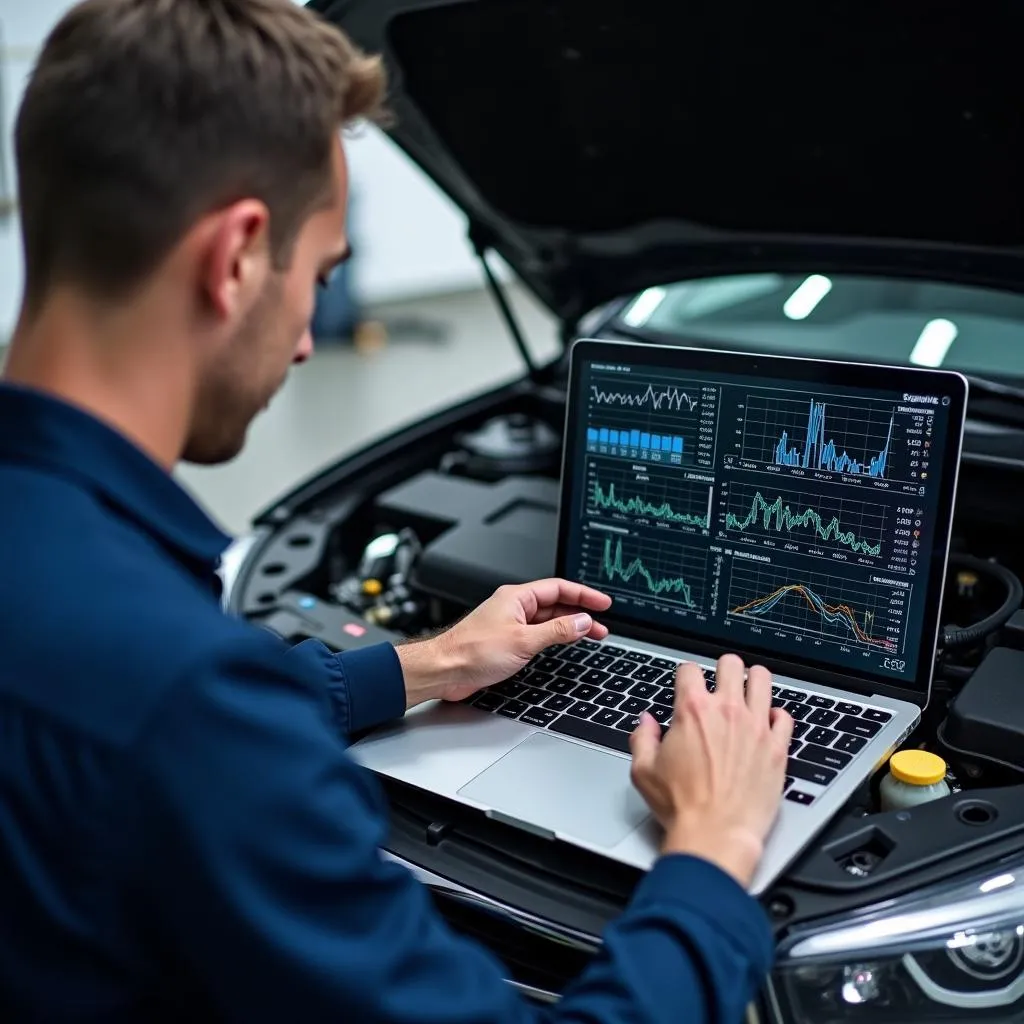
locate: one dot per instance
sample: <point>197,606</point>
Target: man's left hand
<point>499,637</point>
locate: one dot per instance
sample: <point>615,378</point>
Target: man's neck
<point>109,365</point>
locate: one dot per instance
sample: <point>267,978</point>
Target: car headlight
<point>949,953</point>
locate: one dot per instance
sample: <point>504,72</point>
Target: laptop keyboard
<point>597,691</point>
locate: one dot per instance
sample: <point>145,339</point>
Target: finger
<point>729,677</point>
<point>782,726</point>
<point>690,684</point>
<point>644,742</point>
<point>545,593</point>
<point>759,691</point>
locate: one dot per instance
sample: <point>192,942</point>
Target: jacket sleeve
<point>252,841</point>
<point>366,686</point>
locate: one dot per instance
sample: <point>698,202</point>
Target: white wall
<point>410,238</point>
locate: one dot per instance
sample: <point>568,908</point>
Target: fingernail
<point>582,623</point>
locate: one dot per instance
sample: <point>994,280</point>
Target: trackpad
<point>562,787</point>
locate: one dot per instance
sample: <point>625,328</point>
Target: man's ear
<point>236,258</point>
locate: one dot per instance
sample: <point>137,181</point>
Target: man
<point>182,834</point>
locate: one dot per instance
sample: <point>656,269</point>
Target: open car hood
<point>602,146</point>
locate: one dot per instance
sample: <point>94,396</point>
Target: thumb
<point>566,629</point>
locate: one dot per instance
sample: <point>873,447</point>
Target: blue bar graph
<point>636,444</point>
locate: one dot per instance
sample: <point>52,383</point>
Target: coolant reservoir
<point>915,777</point>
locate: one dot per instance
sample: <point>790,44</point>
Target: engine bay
<point>404,538</point>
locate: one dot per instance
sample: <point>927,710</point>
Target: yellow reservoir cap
<point>917,767</point>
<point>372,587</point>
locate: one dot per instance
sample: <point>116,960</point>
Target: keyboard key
<point>664,663</point>
<point>666,695</point>
<point>581,709</point>
<point>629,723</point>
<point>609,699</point>
<point>618,684</point>
<point>489,701</point>
<point>634,706</point>
<point>538,716</point>
<point>594,676</point>
<point>513,708</point>
<point>643,690</point>
<point>648,674</point>
<point>567,671</point>
<point>615,652</point>
<point>848,709</point>
<point>660,713</point>
<point>779,702</point>
<point>532,696</point>
<point>559,702</point>
<point>793,695</point>
<point>787,783</point>
<point>822,717</point>
<point>581,729</point>
<point>799,728</point>
<point>799,797</point>
<point>509,688</point>
<point>588,645</point>
<point>622,667</point>
<point>797,710</point>
<point>873,715</point>
<point>794,746</point>
<point>848,743</point>
<point>638,656</point>
<point>776,690</point>
<point>547,664</point>
<point>561,686</point>
<point>822,737</point>
<point>819,702</point>
<point>607,717</point>
<point>822,755</point>
<point>586,692</point>
<point>858,726</point>
<point>600,660</point>
<point>576,655</point>
<point>540,679</point>
<point>810,772</point>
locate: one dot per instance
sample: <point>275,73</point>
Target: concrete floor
<point>342,398</point>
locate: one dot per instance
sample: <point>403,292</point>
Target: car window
<point>873,319</point>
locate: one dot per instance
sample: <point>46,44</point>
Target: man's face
<point>270,335</point>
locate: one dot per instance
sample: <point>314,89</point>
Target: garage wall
<point>410,238</point>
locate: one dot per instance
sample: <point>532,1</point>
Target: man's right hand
<point>715,781</point>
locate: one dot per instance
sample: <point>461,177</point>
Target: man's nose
<point>305,349</point>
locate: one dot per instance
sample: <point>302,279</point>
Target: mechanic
<point>182,833</point>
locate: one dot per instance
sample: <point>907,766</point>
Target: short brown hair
<point>143,115</point>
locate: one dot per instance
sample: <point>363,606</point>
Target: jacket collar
<point>40,430</point>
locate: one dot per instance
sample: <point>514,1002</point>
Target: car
<point>828,179</point>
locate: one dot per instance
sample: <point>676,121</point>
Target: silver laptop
<point>795,511</point>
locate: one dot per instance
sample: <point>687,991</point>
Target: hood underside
<point>601,146</point>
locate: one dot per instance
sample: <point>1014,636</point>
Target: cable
<point>968,636</point>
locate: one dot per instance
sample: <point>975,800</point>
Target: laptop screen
<point>789,508</point>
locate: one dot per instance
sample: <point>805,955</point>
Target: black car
<point>837,178</point>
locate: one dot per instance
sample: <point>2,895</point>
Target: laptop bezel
<point>818,372</point>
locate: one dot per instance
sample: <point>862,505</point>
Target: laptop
<point>797,512</point>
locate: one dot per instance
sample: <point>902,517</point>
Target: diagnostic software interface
<point>770,514</point>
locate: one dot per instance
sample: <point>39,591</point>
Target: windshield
<point>921,323</point>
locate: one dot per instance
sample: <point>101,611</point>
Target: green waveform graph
<point>614,567</point>
<point>606,498</point>
<point>780,517</point>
